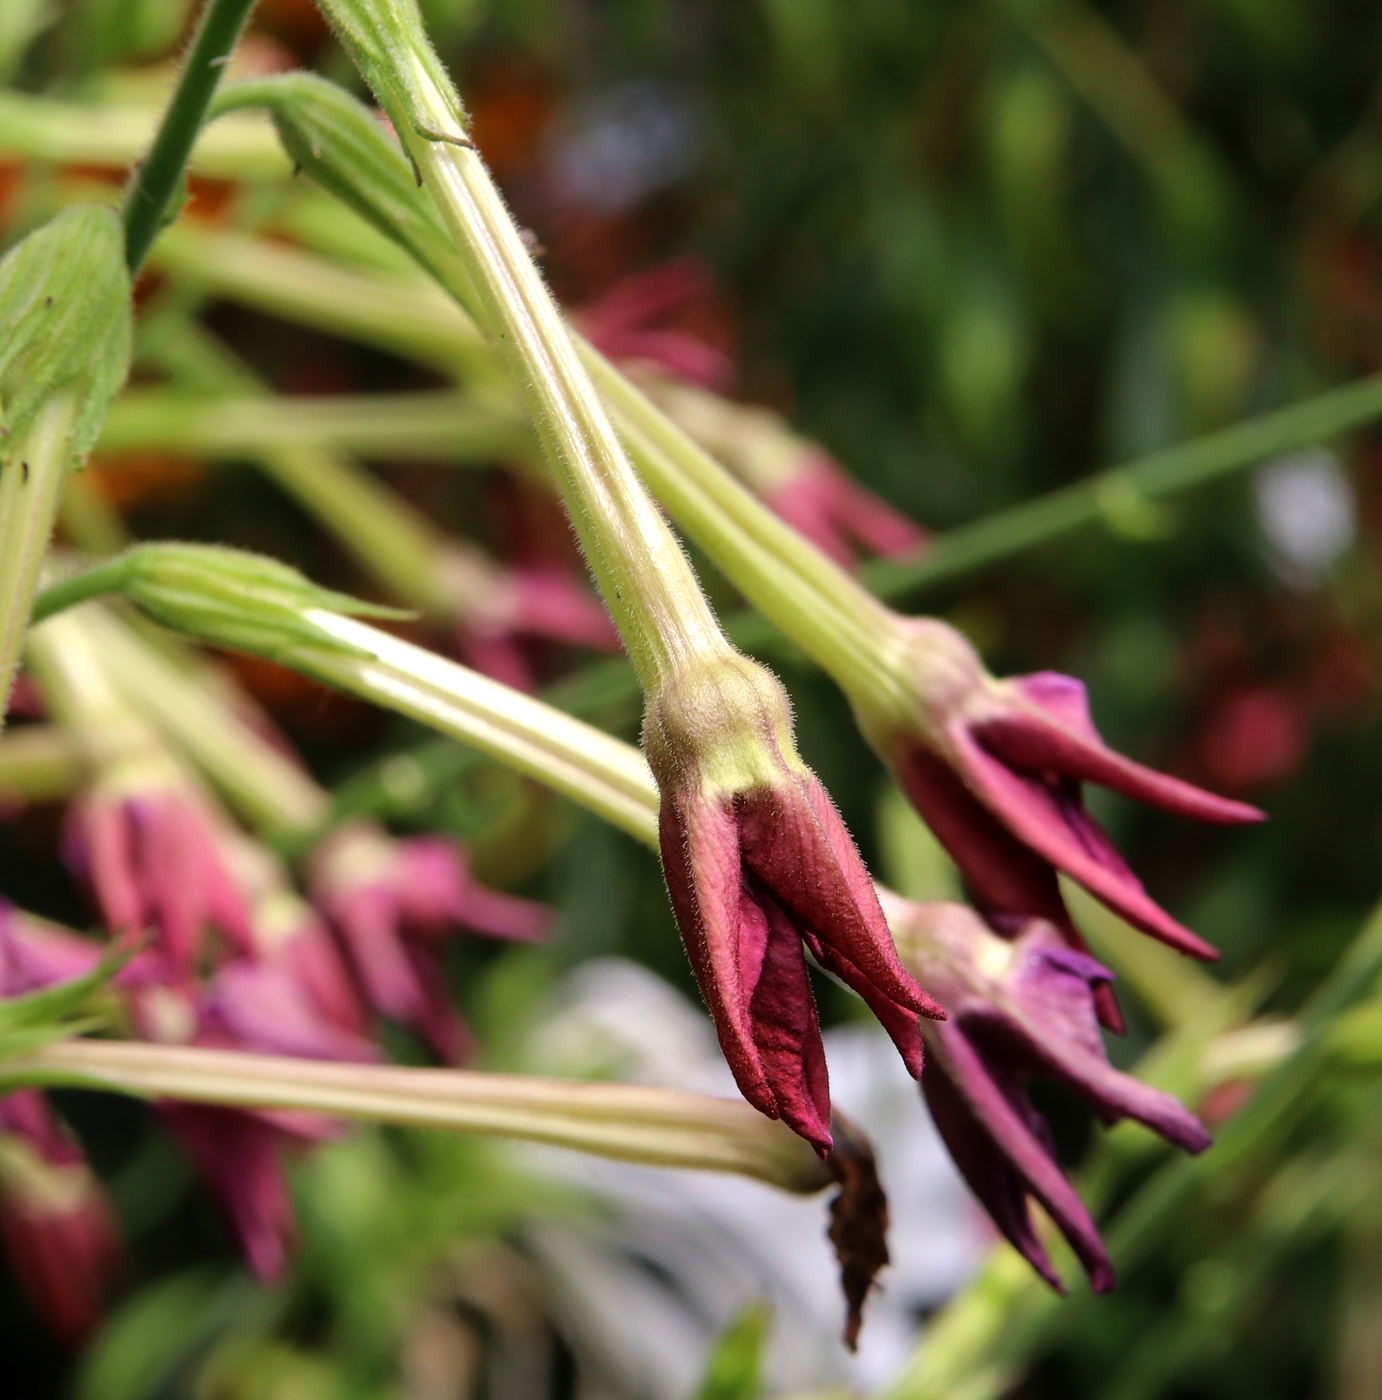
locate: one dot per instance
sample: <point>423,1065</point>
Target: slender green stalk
<point>260,782</point>
<point>627,1122</point>
<point>149,199</point>
<point>1166,473</point>
<point>38,763</point>
<point>645,577</point>
<point>30,489</point>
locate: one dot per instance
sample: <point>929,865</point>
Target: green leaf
<point>65,324</point>
<point>734,1370</point>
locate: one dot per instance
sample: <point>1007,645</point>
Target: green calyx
<point>722,725</point>
<point>227,597</point>
<point>65,325</point>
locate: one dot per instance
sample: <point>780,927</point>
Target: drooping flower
<point>151,854</point>
<point>55,1221</point>
<point>1018,1009</point>
<point>496,608</point>
<point>633,321</point>
<point>758,862</point>
<point>394,903</point>
<point>995,767</point>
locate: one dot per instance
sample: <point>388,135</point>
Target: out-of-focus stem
<point>631,1123</point>
<point>30,489</point>
<point>438,424</point>
<point>241,146</point>
<point>38,763</point>
<point>149,199</point>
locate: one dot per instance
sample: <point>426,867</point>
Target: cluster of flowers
<point>225,952</point>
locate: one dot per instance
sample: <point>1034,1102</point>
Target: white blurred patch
<point>625,144</point>
<point>644,1289</point>
<point>1307,513</point>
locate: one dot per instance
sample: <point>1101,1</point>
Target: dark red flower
<point>759,863</point>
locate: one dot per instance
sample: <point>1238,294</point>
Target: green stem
<point>30,490</point>
<point>1075,507</point>
<point>90,583</point>
<point>150,196</point>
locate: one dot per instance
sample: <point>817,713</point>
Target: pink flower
<point>35,954</point>
<point>821,500</point>
<point>996,767</point>
<point>240,1157</point>
<point>630,322</point>
<point>758,862</point>
<point>54,1219</point>
<point>154,859</point>
<point>394,903</point>
<point>1016,1010</point>
<point>498,609</point>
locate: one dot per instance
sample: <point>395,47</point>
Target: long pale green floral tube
<point>630,1123</point>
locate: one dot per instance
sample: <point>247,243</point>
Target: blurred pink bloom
<point>996,768</point>
<point>629,322</point>
<point>240,1157</point>
<point>394,903</point>
<point>1255,736</point>
<point>54,1219</point>
<point>35,954</point>
<point>498,608</point>
<point>153,859</point>
<point>1018,1010</point>
<point>821,500</point>
<point>757,863</point>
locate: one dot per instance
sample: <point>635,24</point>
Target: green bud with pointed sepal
<point>65,325</point>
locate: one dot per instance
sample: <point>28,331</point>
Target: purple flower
<point>155,859</point>
<point>1018,1009</point>
<point>759,863</point>
<point>996,768</point>
<point>394,903</point>
<point>54,1219</point>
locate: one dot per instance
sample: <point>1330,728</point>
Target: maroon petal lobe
<point>858,1221</point>
<point>782,1010</point>
<point>1058,735</point>
<point>795,842</point>
<point>1050,819</point>
<point>367,920</point>
<point>438,1021</point>
<point>1002,1149</point>
<point>700,861</point>
<point>1008,881</point>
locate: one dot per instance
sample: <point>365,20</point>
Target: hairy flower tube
<point>1020,1008</point>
